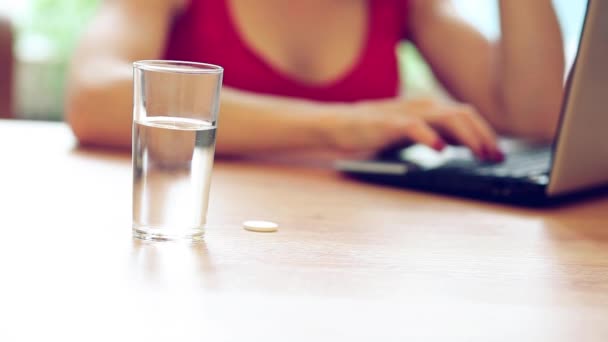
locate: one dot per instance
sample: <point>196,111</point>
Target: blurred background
<point>36,44</point>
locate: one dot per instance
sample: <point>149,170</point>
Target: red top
<point>206,33</point>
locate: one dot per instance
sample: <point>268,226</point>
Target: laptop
<point>576,162</point>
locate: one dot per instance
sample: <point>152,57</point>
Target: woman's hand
<point>373,125</point>
<point>516,82</point>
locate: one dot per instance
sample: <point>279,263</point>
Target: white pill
<point>261,226</point>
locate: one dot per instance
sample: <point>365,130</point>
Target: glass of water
<point>175,109</point>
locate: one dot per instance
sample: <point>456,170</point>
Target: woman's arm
<point>99,101</point>
<point>531,66</point>
<point>517,82</point>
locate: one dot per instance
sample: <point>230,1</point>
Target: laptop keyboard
<point>527,163</point>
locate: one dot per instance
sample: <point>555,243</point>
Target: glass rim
<point>183,67</point>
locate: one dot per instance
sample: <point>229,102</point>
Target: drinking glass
<point>175,110</point>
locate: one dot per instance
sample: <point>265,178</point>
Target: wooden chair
<point>6,68</point>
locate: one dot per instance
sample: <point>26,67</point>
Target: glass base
<point>168,234</point>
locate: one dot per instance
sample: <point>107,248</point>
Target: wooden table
<point>351,262</point>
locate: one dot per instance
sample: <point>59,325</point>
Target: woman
<point>323,73</point>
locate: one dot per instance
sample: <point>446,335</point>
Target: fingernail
<point>483,154</point>
<point>439,145</point>
<point>499,156</point>
<point>496,156</point>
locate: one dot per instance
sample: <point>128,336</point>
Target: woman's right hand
<point>374,125</point>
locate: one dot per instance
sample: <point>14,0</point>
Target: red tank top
<point>206,33</point>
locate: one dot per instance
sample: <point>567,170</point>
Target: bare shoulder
<point>421,9</point>
<point>143,6</point>
<point>426,5</point>
<point>131,16</point>
<point>426,14</point>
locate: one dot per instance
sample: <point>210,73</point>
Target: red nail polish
<point>498,156</point>
<point>439,145</point>
<point>483,154</point>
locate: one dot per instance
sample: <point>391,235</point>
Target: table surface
<point>351,261</point>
